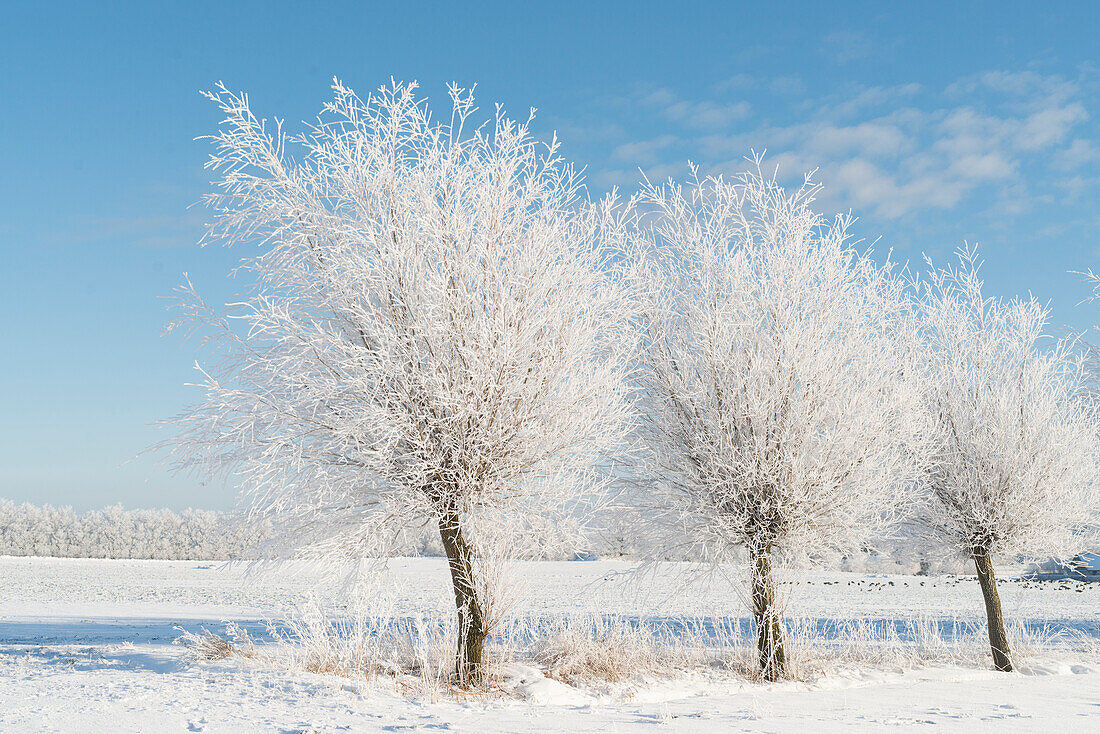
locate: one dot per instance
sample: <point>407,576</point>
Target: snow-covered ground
<point>86,646</point>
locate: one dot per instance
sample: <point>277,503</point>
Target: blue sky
<point>936,123</point>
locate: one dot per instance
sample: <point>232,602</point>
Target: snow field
<point>87,645</point>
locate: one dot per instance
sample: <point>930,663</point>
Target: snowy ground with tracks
<point>87,646</point>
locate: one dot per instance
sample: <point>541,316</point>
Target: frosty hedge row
<point>114,532</point>
<point>208,535</point>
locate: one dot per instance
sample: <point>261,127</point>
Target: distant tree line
<point>115,532</point>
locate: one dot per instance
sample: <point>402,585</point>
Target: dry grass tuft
<point>587,651</point>
<point>206,646</point>
<point>615,656</point>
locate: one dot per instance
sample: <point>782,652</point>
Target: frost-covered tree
<point>425,341</point>
<point>1013,467</point>
<point>775,414</point>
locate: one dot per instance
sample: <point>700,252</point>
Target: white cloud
<point>891,151</point>
<point>876,138</point>
<point>735,83</point>
<point>787,85</point>
<point>707,115</point>
<point>863,98</point>
<point>987,167</point>
<point>846,46</point>
<point>702,115</point>
<point>1049,126</point>
<point>642,152</point>
<point>1025,86</point>
<point>1080,152</point>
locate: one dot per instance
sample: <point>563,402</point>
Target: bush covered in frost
<point>114,532</point>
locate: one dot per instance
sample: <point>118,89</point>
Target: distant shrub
<point>114,532</point>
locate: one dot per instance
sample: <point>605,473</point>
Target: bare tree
<point>425,341</point>
<point>1013,465</point>
<point>776,417</point>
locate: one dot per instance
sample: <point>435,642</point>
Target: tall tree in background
<point>425,340</point>
<point>777,419</point>
<point>1014,454</point>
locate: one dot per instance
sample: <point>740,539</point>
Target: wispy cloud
<point>887,151</point>
<point>152,232</point>
<point>700,115</point>
<point>1079,153</point>
<point>643,152</point>
<point>846,46</point>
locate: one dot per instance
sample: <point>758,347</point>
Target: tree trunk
<point>769,632</point>
<point>998,642</point>
<point>470,663</point>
